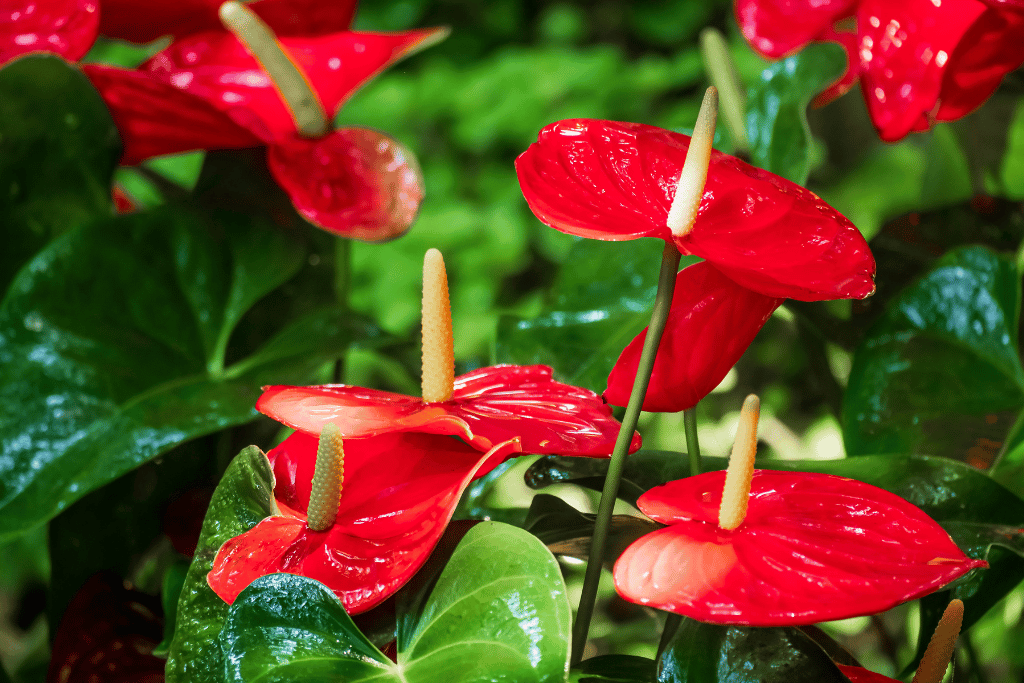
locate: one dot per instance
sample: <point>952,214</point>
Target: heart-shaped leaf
<point>709,653</point>
<point>780,139</point>
<point>92,392</point>
<point>58,151</point>
<point>939,373</point>
<point>491,614</point>
<point>243,498</point>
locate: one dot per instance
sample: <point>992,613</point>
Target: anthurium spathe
<point>919,61</point>
<point>766,548</point>
<point>64,27</point>
<point>394,496</point>
<point>209,91</point>
<point>483,407</point>
<point>616,181</point>
<point>763,239</point>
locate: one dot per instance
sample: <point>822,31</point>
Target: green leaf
<point>614,668</point>
<point>780,138</point>
<point>567,531</point>
<point>939,373</point>
<point>113,343</point>
<point>244,497</point>
<point>709,653</point>
<point>492,614</point>
<point>600,300</point>
<point>58,151</point>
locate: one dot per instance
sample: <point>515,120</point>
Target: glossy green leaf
<point>780,138</point>
<point>600,300</point>
<point>113,343</point>
<point>939,373</point>
<point>243,498</point>
<point>709,653</point>
<point>58,151</point>
<point>614,669</point>
<point>492,615</point>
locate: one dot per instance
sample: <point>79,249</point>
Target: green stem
<point>342,286</point>
<point>692,443</point>
<point>722,74</point>
<point>598,545</point>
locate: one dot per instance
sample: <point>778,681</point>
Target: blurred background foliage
<point>468,107</point>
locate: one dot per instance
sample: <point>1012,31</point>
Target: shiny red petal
<point>399,493</point>
<point>217,68</point>
<point>144,22</point>
<point>990,49</point>
<point>490,405</point>
<point>711,323</point>
<point>154,118</point>
<point>615,181</point>
<point>355,182</point>
<point>858,675</point>
<point>904,51</point>
<point>64,27</point>
<point>776,28</point>
<point>813,547</point>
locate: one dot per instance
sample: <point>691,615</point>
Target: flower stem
<point>598,545</point>
<point>692,444</point>
<point>722,73</point>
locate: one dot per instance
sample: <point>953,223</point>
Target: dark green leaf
<point>939,373</point>
<point>113,343</point>
<point>601,299</point>
<point>567,531</point>
<point>615,668</point>
<point>58,150</point>
<point>493,614</point>
<point>243,498</point>
<point>780,139</point>
<point>709,653</point>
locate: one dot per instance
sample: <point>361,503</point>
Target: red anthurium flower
<point>507,403</point>
<point>919,61</point>
<point>489,406</point>
<point>64,27</point>
<point>616,181</point>
<point>208,91</point>
<point>766,548</point>
<point>144,22</point>
<point>763,238</point>
<point>399,493</point>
